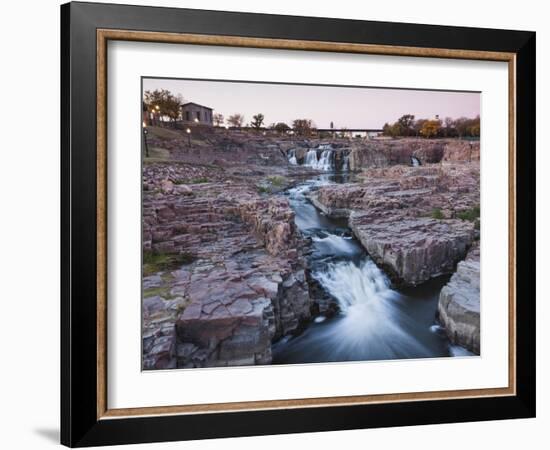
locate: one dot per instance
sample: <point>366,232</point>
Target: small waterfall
<point>323,162</point>
<point>311,158</point>
<point>336,245</point>
<point>372,322</point>
<point>355,286</point>
<point>292,157</point>
<point>326,160</point>
<point>415,162</point>
<point>345,164</point>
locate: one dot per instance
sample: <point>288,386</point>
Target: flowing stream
<point>374,321</point>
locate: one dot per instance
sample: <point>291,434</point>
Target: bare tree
<point>218,119</point>
<point>258,121</point>
<point>236,120</point>
<point>303,127</point>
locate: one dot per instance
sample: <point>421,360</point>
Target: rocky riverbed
<point>241,282</point>
<point>411,220</point>
<point>226,270</point>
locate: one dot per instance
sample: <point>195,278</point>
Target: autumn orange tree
<point>430,128</point>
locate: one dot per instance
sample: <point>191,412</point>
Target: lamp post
<point>188,131</point>
<point>145,131</point>
<point>157,112</point>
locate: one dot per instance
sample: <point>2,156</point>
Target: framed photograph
<point>277,224</point>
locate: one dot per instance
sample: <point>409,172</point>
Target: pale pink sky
<point>346,107</point>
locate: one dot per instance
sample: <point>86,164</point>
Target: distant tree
<point>461,125</point>
<point>418,125</point>
<point>448,128</point>
<point>258,121</point>
<point>218,119</point>
<point>281,127</point>
<point>393,130</point>
<point>430,128</point>
<point>162,103</point>
<point>236,120</point>
<point>303,127</point>
<point>405,124</point>
<point>475,127</point>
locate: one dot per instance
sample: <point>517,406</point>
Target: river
<point>375,321</point>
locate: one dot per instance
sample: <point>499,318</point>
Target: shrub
<point>437,214</point>
<point>154,262</point>
<point>277,181</point>
<point>263,190</point>
<point>469,214</point>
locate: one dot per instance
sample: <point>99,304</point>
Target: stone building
<point>195,113</point>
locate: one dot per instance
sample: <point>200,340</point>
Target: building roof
<point>196,104</point>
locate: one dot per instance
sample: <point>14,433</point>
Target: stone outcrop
<point>392,152</point>
<point>238,282</point>
<point>458,150</point>
<point>459,304</point>
<point>410,219</point>
<point>414,250</point>
<point>383,153</point>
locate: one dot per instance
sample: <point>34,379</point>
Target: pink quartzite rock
<point>241,282</point>
<point>459,304</point>
<point>408,218</point>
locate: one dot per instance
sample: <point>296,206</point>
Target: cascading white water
<point>415,161</point>
<point>334,244</point>
<point>292,157</point>
<point>325,162</point>
<point>372,322</point>
<point>353,286</point>
<point>345,164</point>
<point>311,158</point>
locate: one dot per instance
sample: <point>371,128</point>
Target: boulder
<point>414,250</point>
<point>166,186</point>
<point>459,304</point>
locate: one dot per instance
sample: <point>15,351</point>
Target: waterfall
<point>292,157</point>
<point>311,158</point>
<point>415,161</point>
<point>345,164</point>
<point>372,322</point>
<point>336,245</point>
<point>325,162</point>
<point>355,286</point>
